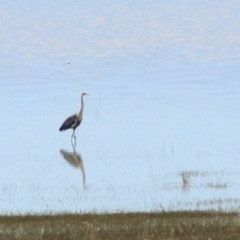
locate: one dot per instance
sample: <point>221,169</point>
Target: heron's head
<point>83,94</point>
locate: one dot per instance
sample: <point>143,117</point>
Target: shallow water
<point>160,128</point>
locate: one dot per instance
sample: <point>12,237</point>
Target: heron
<point>74,120</point>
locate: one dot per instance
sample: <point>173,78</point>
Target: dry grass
<point>169,226</point>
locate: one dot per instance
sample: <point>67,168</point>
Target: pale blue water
<point>164,105</point>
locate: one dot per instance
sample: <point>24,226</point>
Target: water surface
<point>161,124</point>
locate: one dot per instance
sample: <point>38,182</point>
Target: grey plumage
<point>70,122</point>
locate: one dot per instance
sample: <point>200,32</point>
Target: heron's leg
<point>73,145</point>
<point>75,139</point>
<point>73,135</point>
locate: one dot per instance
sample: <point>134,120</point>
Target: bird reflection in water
<point>75,160</point>
<point>185,180</point>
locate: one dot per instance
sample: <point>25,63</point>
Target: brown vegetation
<point>139,226</point>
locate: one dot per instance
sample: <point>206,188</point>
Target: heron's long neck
<point>79,116</point>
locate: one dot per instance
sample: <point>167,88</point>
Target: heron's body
<point>71,122</point>
<point>74,120</point>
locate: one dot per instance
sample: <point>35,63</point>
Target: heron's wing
<point>68,122</point>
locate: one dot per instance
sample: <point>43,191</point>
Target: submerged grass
<point>140,226</point>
